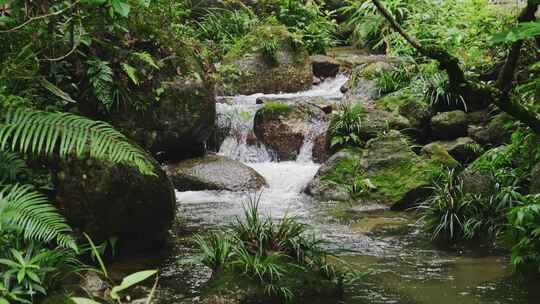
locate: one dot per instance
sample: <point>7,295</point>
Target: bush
<point>524,235</point>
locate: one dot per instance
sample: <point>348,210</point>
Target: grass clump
<point>278,256</point>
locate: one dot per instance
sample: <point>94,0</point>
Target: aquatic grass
<point>267,251</point>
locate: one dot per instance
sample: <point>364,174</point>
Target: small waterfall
<point>236,114</point>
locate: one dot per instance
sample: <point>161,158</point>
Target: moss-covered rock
<point>375,122</point>
<point>178,124</point>
<point>233,287</point>
<point>391,173</point>
<point>438,152</point>
<point>462,149</point>
<point>283,127</point>
<point>398,174</point>
<point>266,61</point>
<point>417,112</point>
<point>329,182</point>
<point>449,125</point>
<point>478,177</point>
<point>214,172</point>
<point>498,131</point>
<point>111,200</point>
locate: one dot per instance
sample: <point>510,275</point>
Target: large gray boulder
<point>113,200</point>
<point>214,172</point>
<point>449,125</point>
<point>178,124</point>
<point>496,132</point>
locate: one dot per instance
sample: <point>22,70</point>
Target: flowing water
<point>403,266</point>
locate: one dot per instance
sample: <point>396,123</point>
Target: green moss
<point>276,108</point>
<point>346,170</point>
<point>390,103</point>
<point>395,182</point>
<point>439,154</point>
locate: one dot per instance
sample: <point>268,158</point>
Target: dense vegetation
<point>68,69</point>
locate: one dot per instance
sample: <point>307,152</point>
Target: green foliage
<point>524,235</point>
<point>314,27</point>
<point>266,251</point>
<point>346,126</point>
<point>29,131</point>
<point>29,213</point>
<point>100,76</point>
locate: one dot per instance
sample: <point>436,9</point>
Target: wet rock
<point>214,172</point>
<point>324,66</point>
<point>283,127</point>
<point>248,69</point>
<point>463,149</point>
<point>93,285</point>
<point>478,179</point>
<point>321,148</point>
<point>375,122</point>
<point>178,124</point>
<point>111,200</point>
<point>495,132</point>
<point>535,179</point>
<point>386,172</point>
<point>228,287</point>
<point>327,185</point>
<point>399,176</point>
<point>418,113</point>
<point>449,125</point>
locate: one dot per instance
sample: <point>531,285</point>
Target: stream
<point>403,265</point>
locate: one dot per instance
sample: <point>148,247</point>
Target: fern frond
<point>26,130</point>
<point>29,212</point>
<point>101,77</point>
<point>11,166</point>
<point>147,58</point>
<point>131,72</point>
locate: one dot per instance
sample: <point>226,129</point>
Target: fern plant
<point>26,130</point>
<point>101,78</point>
<point>29,213</point>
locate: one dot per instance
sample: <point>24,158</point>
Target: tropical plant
<point>346,126</point>
<point>266,251</point>
<point>524,235</point>
<point>26,130</point>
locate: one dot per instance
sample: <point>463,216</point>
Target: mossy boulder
<point>478,176</point>
<point>497,131</point>
<point>438,152</point>
<point>463,149</point>
<point>391,172</point>
<point>399,176</point>
<point>449,125</point>
<point>329,184</point>
<point>234,287</point>
<point>178,125</point>
<point>375,122</point>
<point>214,172</point>
<point>417,112</point>
<point>113,200</point>
<point>283,128</point>
<point>265,61</point>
